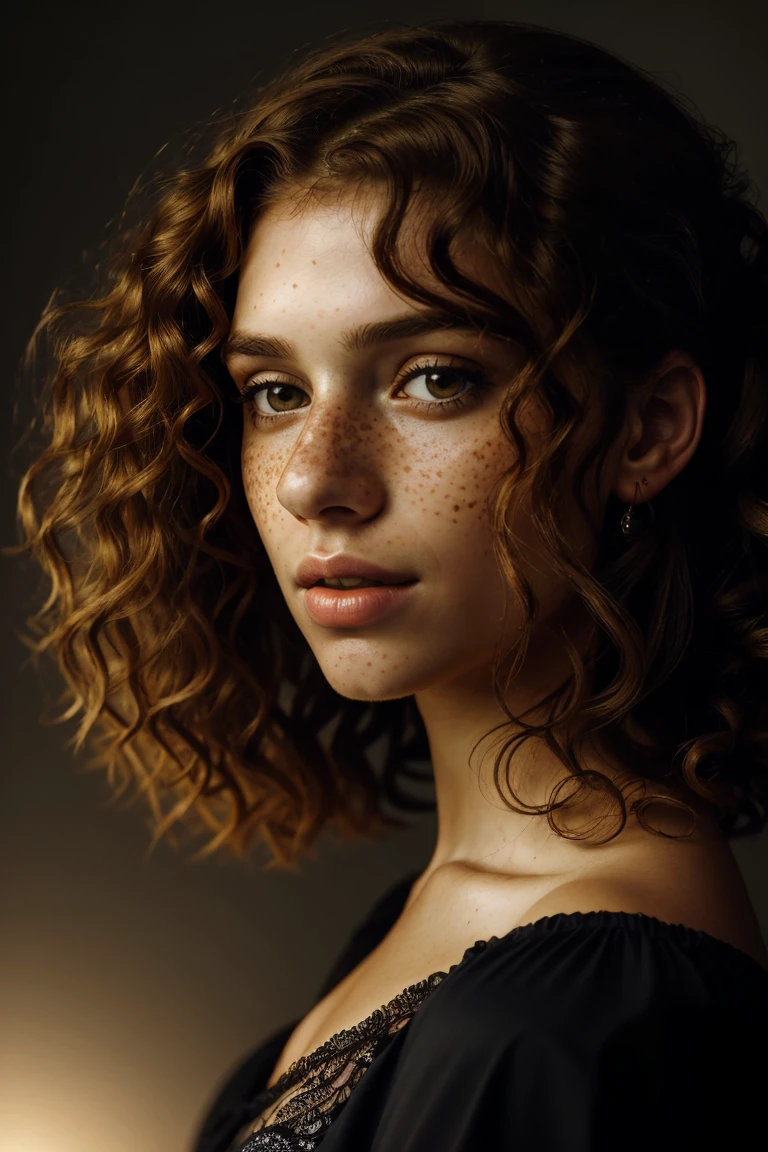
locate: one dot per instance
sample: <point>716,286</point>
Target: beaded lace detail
<point>295,1112</point>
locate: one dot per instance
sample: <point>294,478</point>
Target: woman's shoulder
<point>719,910</point>
<point>583,1029</point>
<point>589,961</point>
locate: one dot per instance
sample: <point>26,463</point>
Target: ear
<point>662,429</point>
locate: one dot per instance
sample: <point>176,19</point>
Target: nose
<point>334,469</point>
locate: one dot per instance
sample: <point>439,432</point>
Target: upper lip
<point>312,569</point>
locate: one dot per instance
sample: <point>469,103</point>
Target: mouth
<point>342,583</point>
<point>348,571</point>
<point>356,602</point>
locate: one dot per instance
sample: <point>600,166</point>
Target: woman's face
<point>365,449</point>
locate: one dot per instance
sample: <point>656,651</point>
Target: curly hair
<point>627,228</point>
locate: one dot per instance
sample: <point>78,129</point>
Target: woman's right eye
<point>250,392</point>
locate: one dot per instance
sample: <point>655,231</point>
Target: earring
<point>634,524</point>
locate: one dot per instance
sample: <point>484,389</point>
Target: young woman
<point>474,313</point>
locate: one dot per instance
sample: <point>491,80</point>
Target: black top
<point>578,1032</point>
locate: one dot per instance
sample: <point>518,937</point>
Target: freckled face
<point>348,455</point>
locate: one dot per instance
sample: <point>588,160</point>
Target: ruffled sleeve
<point>582,1032</point>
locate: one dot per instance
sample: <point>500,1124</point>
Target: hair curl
<point>630,228</point>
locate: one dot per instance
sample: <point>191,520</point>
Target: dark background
<point>129,985</point>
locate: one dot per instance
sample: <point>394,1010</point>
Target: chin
<point>368,693</point>
<point>367,687</point>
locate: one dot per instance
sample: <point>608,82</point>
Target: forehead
<point>309,272</point>
<point>328,240</point>
<point>308,254</point>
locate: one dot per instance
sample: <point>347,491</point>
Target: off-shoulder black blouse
<point>577,1032</point>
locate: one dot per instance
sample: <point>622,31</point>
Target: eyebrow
<point>242,343</point>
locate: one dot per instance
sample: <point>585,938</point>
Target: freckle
<point>439,473</point>
<point>294,285</point>
<point>455,508</point>
<point>472,504</point>
<point>407,468</point>
<point>455,521</point>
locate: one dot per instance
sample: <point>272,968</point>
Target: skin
<point>357,467</point>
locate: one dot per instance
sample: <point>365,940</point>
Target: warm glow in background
<point>129,987</point>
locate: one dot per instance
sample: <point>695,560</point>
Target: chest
<point>372,985</point>
<point>431,934</point>
<point>427,938</point>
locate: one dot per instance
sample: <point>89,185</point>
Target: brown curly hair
<point>629,226</point>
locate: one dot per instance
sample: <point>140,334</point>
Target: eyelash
<point>477,379</point>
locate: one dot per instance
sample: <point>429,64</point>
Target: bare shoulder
<point>717,905</point>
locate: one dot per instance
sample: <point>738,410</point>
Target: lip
<point>314,568</point>
<point>355,607</point>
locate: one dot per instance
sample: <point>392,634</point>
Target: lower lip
<point>354,607</point>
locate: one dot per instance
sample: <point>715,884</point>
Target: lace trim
<point>307,1096</point>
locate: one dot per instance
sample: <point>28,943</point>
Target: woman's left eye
<point>440,378</point>
<point>440,382</point>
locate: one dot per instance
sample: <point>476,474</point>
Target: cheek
<point>261,473</point>
<point>454,485</point>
